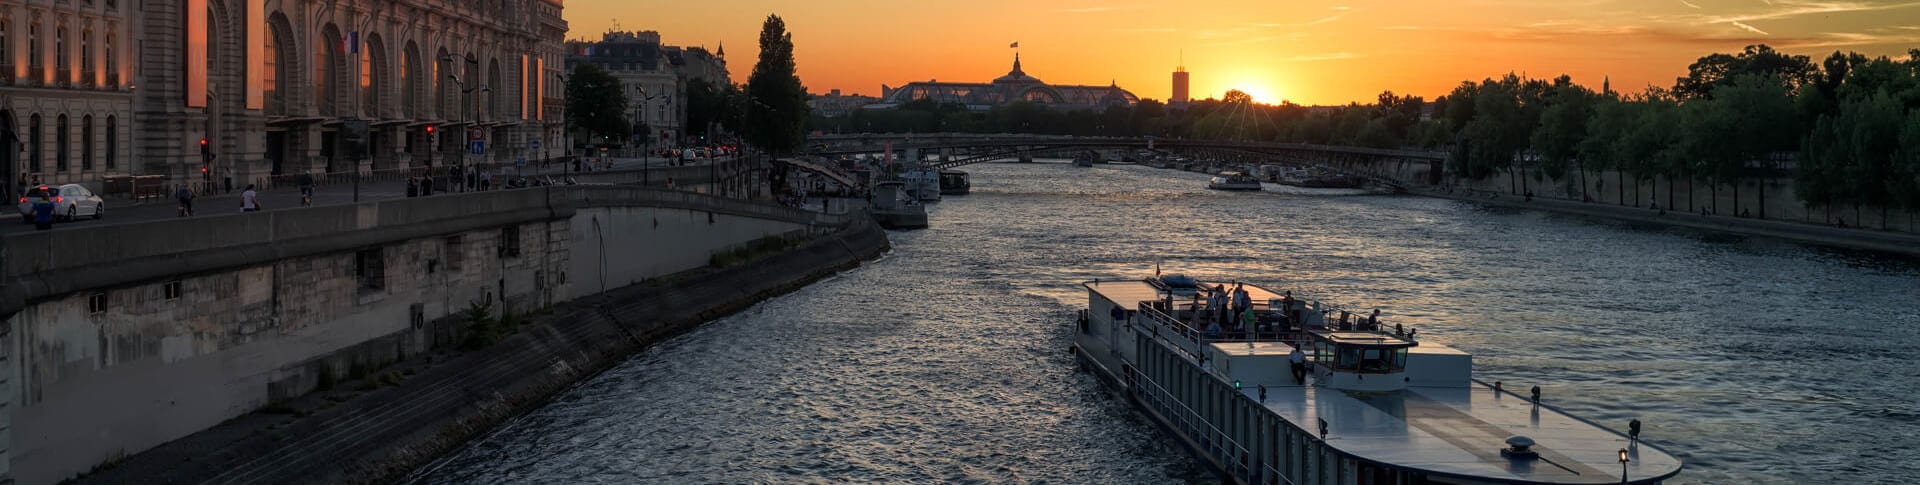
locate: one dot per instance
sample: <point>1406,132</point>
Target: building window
<point>269,75</point>
<point>61,61</point>
<point>171,290</point>
<point>62,140</point>
<point>6,50</point>
<point>456,253</point>
<point>86,142</point>
<point>113,63</point>
<point>510,242</point>
<point>370,267</point>
<point>34,61</point>
<point>113,140</point>
<point>36,149</point>
<point>97,303</point>
<point>86,56</point>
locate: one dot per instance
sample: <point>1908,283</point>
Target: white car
<point>69,202</point>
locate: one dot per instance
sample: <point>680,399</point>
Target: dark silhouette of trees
<point>776,103</point>
<point>596,105</point>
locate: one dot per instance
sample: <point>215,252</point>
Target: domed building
<point>1013,87</point>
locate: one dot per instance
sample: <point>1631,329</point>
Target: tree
<point>1715,70</point>
<point>1235,96</point>
<point>1611,121</point>
<point>1563,125</point>
<point>712,108</point>
<point>1720,131</point>
<point>776,102</point>
<point>596,104</point>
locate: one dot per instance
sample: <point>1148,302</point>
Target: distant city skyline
<point>1312,52</point>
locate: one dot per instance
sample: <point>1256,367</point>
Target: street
<point>123,210</point>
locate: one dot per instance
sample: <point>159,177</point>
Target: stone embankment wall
<point>122,337</point>
<point>383,435</point>
<point>1606,187</point>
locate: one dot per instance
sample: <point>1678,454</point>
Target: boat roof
<point>1132,292</point>
<point>1369,339</point>
<point>1460,431</point>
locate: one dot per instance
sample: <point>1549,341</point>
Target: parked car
<point>69,202</point>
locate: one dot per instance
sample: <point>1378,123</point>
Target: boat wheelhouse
<point>954,182</point>
<point>1374,406</point>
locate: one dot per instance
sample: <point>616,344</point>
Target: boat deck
<point>1460,431</point>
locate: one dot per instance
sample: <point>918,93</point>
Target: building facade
<point>66,89</point>
<point>833,104</point>
<point>1014,87</point>
<point>656,77</point>
<point>275,88</point>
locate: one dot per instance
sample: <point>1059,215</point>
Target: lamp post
<point>466,97</point>
<point>1623,466</point>
<point>639,115</point>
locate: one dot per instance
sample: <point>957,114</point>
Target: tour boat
<point>923,183</point>
<point>954,182</point>
<point>1234,181</point>
<point>1376,406</point>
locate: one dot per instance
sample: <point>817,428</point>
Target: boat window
<point>1399,359</point>
<point>1349,358</point>
<point>1375,360</point>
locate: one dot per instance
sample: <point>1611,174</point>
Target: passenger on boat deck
<point>1286,306</point>
<point>1241,302</point>
<point>1213,330</point>
<point>1299,361</point>
<point>1344,323</point>
<point>1216,304</point>
<point>1373,321</point>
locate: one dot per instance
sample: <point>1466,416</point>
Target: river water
<point>1754,360</point>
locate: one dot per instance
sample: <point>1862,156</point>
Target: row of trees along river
<point>1846,129</point>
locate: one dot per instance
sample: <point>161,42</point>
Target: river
<point>1754,360</point>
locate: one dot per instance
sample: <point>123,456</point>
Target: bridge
<point>1394,168</point>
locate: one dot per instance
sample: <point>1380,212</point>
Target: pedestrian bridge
<point>1394,168</point>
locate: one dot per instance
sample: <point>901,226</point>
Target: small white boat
<point>1231,180</point>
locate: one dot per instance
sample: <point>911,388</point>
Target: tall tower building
<point>1180,81</point>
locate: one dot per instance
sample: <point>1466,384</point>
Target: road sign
<point>479,147</point>
<point>536,145</point>
<point>476,134</point>
<point>520,162</point>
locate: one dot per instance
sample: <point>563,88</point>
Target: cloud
<point>1245,41</point>
<point>1799,8</point>
<point>1147,30</point>
<point>1689,4</point>
<point>1748,28</point>
<point>1099,9</point>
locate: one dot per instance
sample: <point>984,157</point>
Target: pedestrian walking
<point>413,187</point>
<point>306,189</point>
<point>185,196</point>
<point>43,212</point>
<point>473,183</point>
<point>249,200</point>
<point>426,185</point>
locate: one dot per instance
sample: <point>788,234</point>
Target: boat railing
<point>1193,340</point>
<point>1215,442</point>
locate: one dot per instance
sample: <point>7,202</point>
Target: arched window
<point>86,143</point>
<point>62,139</point>
<point>113,140</point>
<point>36,144</point>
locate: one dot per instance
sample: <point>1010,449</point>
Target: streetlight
<point>646,141</point>
<point>1623,466</point>
<point>466,97</point>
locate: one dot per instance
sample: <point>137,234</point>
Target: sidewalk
<point>1866,239</point>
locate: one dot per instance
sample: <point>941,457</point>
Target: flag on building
<point>1014,45</point>
<point>351,43</point>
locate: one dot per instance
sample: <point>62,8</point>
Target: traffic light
<point>204,149</point>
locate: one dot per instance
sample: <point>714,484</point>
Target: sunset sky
<point>1307,51</point>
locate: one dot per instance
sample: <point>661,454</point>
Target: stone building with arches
<point>274,86</point>
<point>66,93</point>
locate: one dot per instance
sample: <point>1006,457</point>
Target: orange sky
<point>1305,51</point>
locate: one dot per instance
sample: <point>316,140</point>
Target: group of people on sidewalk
<point>456,179</point>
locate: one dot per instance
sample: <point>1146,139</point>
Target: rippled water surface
<point>1754,360</point>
